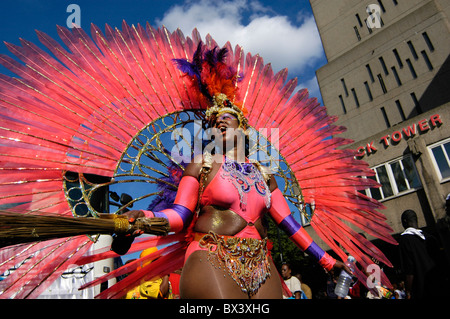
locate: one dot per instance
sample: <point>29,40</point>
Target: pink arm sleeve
<point>281,214</point>
<point>180,213</point>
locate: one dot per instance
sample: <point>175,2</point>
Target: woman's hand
<point>132,216</point>
<point>122,243</point>
<point>340,265</point>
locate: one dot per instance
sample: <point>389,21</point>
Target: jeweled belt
<point>245,259</point>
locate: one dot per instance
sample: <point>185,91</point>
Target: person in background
<point>415,260</point>
<point>332,277</point>
<point>174,279</point>
<point>158,288</point>
<point>399,290</point>
<point>291,282</point>
<point>307,293</point>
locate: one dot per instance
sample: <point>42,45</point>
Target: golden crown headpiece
<point>221,104</point>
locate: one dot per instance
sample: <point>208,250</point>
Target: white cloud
<point>253,26</point>
<point>313,88</point>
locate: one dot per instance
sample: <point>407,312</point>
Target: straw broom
<point>17,228</point>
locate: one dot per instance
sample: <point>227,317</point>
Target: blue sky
<point>282,32</point>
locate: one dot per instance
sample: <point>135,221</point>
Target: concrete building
<point>388,81</point>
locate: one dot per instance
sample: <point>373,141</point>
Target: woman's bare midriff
<point>223,222</point>
<point>197,268</point>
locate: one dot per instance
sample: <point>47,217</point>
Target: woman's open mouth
<point>222,129</point>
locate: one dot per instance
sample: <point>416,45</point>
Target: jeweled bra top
<point>241,188</point>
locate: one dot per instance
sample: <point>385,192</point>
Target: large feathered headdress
<point>215,81</point>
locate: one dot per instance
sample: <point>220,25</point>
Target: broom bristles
<point>17,228</point>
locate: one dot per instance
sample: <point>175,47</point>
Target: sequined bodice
<point>239,187</point>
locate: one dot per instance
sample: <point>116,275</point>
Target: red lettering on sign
<point>396,136</point>
<point>410,131</point>
<point>370,148</point>
<point>385,140</point>
<point>360,151</point>
<point>435,119</point>
<point>423,125</point>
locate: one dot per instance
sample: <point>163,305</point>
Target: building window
<point>368,28</point>
<point>413,50</point>
<point>397,78</point>
<point>369,93</point>
<point>441,158</point>
<point>427,60</point>
<point>381,6</point>
<point>411,68</point>
<point>428,41</point>
<point>395,2</point>
<point>405,175</point>
<point>355,97</point>
<point>416,103</point>
<point>369,70</point>
<point>358,36</point>
<point>342,104</point>
<point>400,110</point>
<point>383,65</point>
<point>397,56</point>
<point>344,86</point>
<point>383,86</point>
<point>385,191</point>
<point>359,20</point>
<point>396,178</point>
<point>386,119</point>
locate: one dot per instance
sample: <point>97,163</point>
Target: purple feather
<point>197,59</point>
<point>187,67</point>
<point>222,54</point>
<point>167,192</point>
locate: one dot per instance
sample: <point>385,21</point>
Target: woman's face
<point>228,126</point>
<point>285,272</point>
<point>225,121</point>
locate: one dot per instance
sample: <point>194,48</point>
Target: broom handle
<point>147,225</point>
<point>19,228</point>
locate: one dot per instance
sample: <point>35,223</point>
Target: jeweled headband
<point>221,104</point>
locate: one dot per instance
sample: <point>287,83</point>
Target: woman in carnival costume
<point>230,195</point>
<point>81,111</point>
